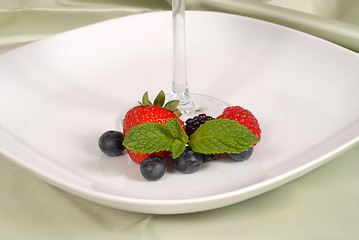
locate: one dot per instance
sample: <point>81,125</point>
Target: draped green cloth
<point>320,205</point>
<point>25,21</point>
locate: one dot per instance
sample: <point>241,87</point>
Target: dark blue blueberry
<point>110,143</point>
<point>153,168</point>
<point>239,157</point>
<point>188,161</point>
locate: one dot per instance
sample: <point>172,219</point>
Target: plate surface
<point>58,95</point>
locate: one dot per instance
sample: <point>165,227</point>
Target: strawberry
<point>244,117</point>
<point>150,112</point>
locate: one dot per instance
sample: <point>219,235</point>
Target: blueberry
<point>188,161</point>
<point>110,143</point>
<point>153,168</point>
<point>239,157</point>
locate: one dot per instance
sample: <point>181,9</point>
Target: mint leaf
<point>179,135</point>
<point>222,135</point>
<point>176,129</point>
<point>148,138</point>
<point>177,148</point>
<point>155,137</point>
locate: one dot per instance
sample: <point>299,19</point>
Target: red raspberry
<point>244,117</point>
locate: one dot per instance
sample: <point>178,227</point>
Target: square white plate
<point>58,95</point>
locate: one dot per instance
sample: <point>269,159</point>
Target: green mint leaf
<point>177,148</point>
<point>155,137</point>
<point>176,129</point>
<point>222,135</point>
<point>160,99</point>
<point>148,138</point>
<point>179,135</point>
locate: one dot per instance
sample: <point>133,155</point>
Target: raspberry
<point>244,117</point>
<point>193,123</point>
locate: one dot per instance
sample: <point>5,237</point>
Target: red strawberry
<point>244,117</point>
<point>147,112</point>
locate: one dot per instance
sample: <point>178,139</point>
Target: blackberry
<point>193,123</point>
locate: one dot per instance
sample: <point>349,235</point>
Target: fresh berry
<point>110,143</point>
<point>244,117</point>
<point>153,168</point>
<point>148,112</point>
<point>239,157</point>
<point>193,123</point>
<point>188,161</point>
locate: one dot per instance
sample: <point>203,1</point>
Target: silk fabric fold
<point>22,22</point>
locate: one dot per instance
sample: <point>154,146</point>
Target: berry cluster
<point>153,166</point>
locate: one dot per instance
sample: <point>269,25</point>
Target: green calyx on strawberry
<point>148,112</point>
<point>160,101</point>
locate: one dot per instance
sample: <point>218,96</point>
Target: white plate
<point>57,96</point>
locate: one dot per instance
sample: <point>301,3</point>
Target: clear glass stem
<point>190,104</point>
<point>180,89</point>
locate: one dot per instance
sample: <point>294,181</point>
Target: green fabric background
<point>322,204</point>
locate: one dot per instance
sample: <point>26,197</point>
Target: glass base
<point>199,104</point>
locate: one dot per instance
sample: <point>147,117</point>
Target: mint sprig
<point>214,136</point>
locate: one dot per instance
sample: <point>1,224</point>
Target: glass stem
<point>179,84</point>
